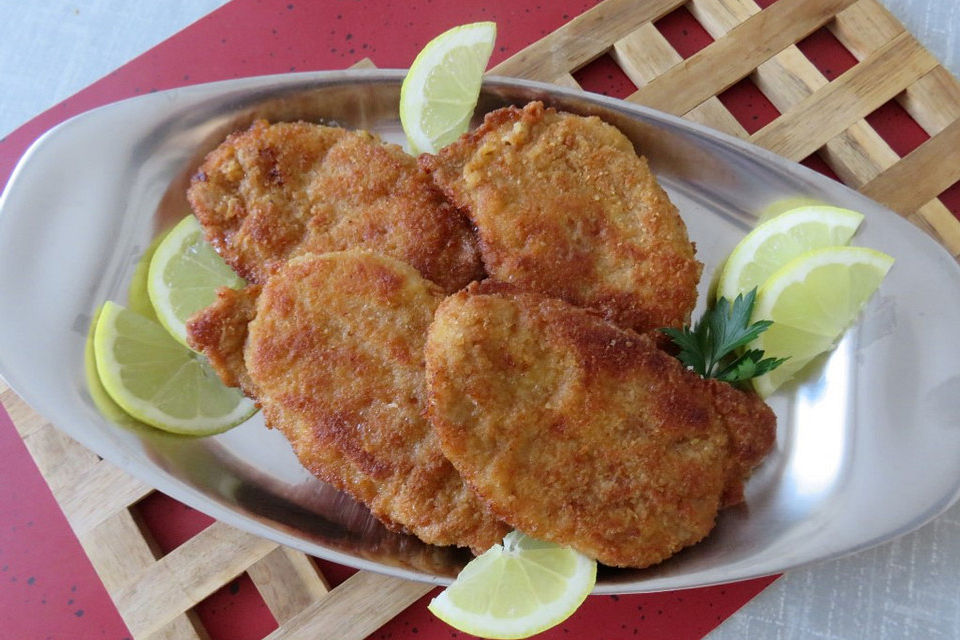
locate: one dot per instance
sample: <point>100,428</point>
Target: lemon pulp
<point>516,589</point>
<point>184,275</point>
<point>779,240</point>
<point>158,381</point>
<point>440,91</point>
<point>811,301</point>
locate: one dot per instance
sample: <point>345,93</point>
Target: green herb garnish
<point>710,348</point>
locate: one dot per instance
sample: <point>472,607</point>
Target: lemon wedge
<point>440,92</point>
<point>779,240</point>
<point>184,275</point>
<point>811,301</point>
<point>516,589</point>
<point>158,381</point>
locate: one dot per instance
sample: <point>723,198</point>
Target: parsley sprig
<point>710,347</point>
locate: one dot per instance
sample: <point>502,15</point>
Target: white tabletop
<point>908,588</point>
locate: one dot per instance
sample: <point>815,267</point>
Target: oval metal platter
<point>868,442</point>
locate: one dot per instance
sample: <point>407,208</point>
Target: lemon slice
<point>440,92</point>
<point>184,275</point>
<point>98,394</point>
<point>160,382</point>
<point>812,300</point>
<point>517,589</point>
<point>776,242</point>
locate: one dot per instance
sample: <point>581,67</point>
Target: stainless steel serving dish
<point>868,444</point>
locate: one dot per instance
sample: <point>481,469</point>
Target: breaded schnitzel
<point>276,191</point>
<point>564,206</point>
<point>584,434</point>
<point>219,331</point>
<point>334,355</point>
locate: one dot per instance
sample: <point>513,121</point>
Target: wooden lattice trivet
<point>155,595</point>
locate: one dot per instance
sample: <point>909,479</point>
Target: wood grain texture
<point>120,550</point>
<point>103,490</point>
<point>727,60</point>
<point>864,27</point>
<point>59,459</point>
<point>939,222</point>
<point>288,581</point>
<point>583,39</point>
<point>829,111</point>
<point>566,80</point>
<point>856,154</point>
<point>933,100</point>
<point>645,54</point>
<point>929,170</point>
<point>187,575</point>
<point>359,606</point>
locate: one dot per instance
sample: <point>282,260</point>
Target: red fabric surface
<point>47,587</point>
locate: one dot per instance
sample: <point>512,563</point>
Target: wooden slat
<point>927,169</point>
<point>788,78</point>
<point>356,608</point>
<point>727,60</point>
<point>365,63</point>
<point>120,552</point>
<point>583,39</point>
<point>24,418</point>
<point>939,222</point>
<point>864,27</point>
<point>86,487</point>
<point>855,94</point>
<point>60,459</point>
<point>288,581</point>
<point>645,54</point>
<point>566,80</point>
<point>102,490</point>
<point>933,100</point>
<point>185,627</point>
<point>187,575</point>
<point>857,154</point>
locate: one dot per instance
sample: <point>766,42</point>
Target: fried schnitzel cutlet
<point>536,399</point>
<point>219,331</point>
<point>333,353</point>
<point>276,191</point>
<point>582,433</point>
<point>564,206</point>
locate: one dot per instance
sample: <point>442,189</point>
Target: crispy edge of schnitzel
<point>275,191</point>
<point>564,206</point>
<point>219,332</point>
<point>548,411</point>
<point>332,349</point>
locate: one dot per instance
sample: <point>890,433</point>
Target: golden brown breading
<point>334,353</point>
<point>219,331</point>
<point>564,206</point>
<point>581,433</point>
<point>276,191</point>
<point>752,429</point>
